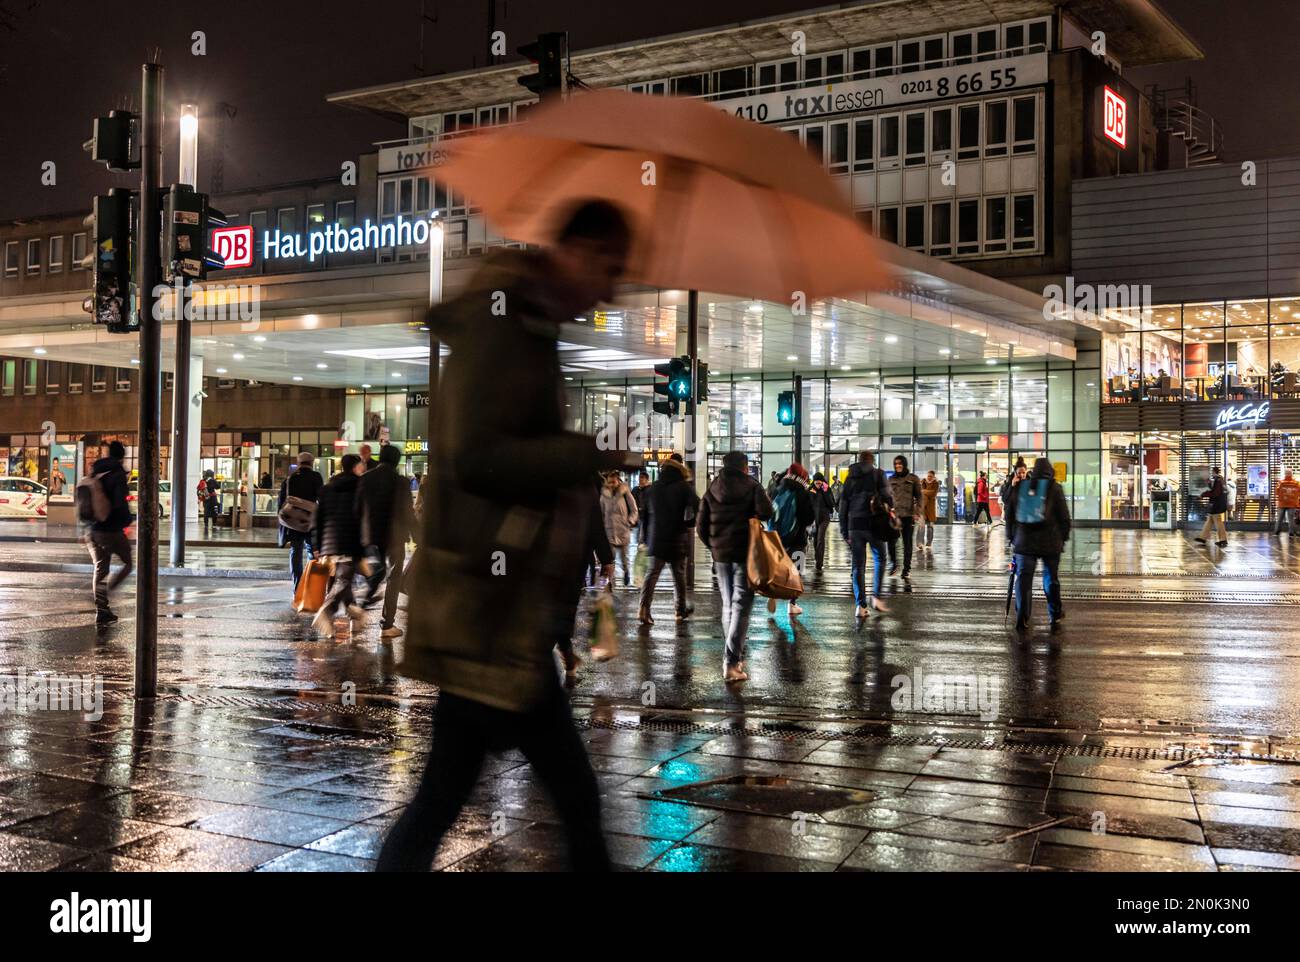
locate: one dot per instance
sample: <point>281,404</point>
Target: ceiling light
<point>845,367</point>
<point>221,370</point>
<point>321,366</point>
<point>260,339</point>
<point>237,357</point>
<point>891,339</point>
<point>944,350</point>
<point>365,386</point>
<point>992,360</point>
<point>39,350</point>
<point>792,357</point>
<point>297,377</point>
<point>397,374</point>
<point>135,360</point>
<point>756,308</point>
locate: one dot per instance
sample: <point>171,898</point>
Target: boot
<point>643,616</point>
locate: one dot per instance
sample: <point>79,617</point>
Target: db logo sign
<point>1116,125</point>
<point>234,245</point>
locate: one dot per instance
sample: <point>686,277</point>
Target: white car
<point>164,496</point>
<point>22,498</point>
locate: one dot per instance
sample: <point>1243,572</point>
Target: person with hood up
<point>108,537</point>
<point>866,521</point>
<point>668,507</point>
<point>1038,526</point>
<point>732,499</point>
<point>337,535</point>
<point>823,504</point>
<point>905,487</point>
<point>792,514</point>
<point>618,508</point>
<point>387,523</point>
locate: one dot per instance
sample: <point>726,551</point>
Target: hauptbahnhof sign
<point>337,239</point>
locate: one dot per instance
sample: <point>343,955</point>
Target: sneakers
<point>735,673</point>
<point>323,623</point>
<point>105,617</point>
<point>391,632</point>
<point>861,611</point>
<point>795,610</point>
<point>1222,544</point>
<point>893,570</point>
<point>686,613</point>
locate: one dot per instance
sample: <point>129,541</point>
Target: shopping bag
<point>770,570</point>
<point>604,628</point>
<point>313,585</point>
<point>641,566</point>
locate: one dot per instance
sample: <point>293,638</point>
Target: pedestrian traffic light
<point>112,141</point>
<point>785,407</point>
<point>549,51</point>
<point>187,221</point>
<point>110,262</point>
<point>675,386</point>
<point>701,381</point>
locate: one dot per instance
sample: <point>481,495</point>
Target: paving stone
<point>303,860</point>
<point>1157,848</point>
<point>19,854</point>
<point>82,827</point>
<point>202,851</point>
<point>688,857</point>
<point>893,858</point>
<point>270,825</point>
<point>1101,860</point>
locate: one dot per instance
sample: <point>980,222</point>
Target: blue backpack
<point>786,518</point>
<point>1031,501</point>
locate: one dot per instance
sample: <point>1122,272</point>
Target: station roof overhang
<point>1138,33</point>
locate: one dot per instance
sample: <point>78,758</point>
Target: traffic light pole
<point>148,276</point>
<point>798,418</point>
<point>694,452</point>
<point>181,428</point>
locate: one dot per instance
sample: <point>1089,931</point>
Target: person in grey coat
<point>906,490</point>
<point>618,508</point>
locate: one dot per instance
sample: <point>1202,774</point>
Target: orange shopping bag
<point>313,585</point>
<point>770,570</point>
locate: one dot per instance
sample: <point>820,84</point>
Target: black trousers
<point>906,532</point>
<point>464,732</point>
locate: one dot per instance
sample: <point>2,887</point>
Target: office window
<point>732,80</point>
<point>782,75</point>
<point>78,251</point>
<point>941,133</point>
<point>968,132</point>
<point>986,43</point>
<point>459,121</point>
<point>76,373</point>
<point>315,218</point>
<point>122,379</point>
<point>345,212</point>
<point>56,254</point>
<point>286,219</point>
<point>962,46</point>
<point>11,259</point>
<point>941,229</point>
<point>968,227</point>
<point>824,68</point>
<point>934,50</point>
<point>1038,35</point>
<point>692,85</point>
<point>10,374</point>
<point>866,218</point>
<point>860,61</point>
<point>29,377</point>
<point>53,376</point>
<point>814,138</point>
<point>492,116</point>
<point>995,128</point>
<point>864,144</point>
<point>1015,40</point>
<point>658,88</point>
<point>884,60</point>
<point>909,56</point>
<point>888,224</point>
<point>34,256</point>
<point>914,139</point>
<point>995,224</point>
<point>889,141</point>
<point>98,379</point>
<point>914,227</point>
<point>1024,224</point>
<point>1024,131</point>
<point>837,147</point>
<point>257,220</point>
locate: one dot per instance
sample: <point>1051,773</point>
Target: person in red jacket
<point>982,499</point>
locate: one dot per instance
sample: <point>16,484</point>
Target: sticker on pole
<point>234,245</point>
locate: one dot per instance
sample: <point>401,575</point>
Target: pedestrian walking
<point>1038,526</point>
<point>792,513</point>
<point>929,511</point>
<point>982,500</point>
<point>905,487</point>
<point>669,508</point>
<point>303,485</point>
<point>837,488</point>
<point>733,497</point>
<point>337,535</point>
<point>387,523</point>
<point>1288,502</point>
<point>866,510</point>
<point>208,494</point>
<point>107,536</point>
<point>1216,498</point>
<point>618,508</point>
<point>598,556</point>
<point>823,503</point>
<point>501,560</point>
<point>773,483</point>
<point>638,495</point>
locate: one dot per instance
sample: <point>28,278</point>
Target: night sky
<point>61,63</point>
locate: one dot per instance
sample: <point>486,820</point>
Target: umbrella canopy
<point>716,203</point>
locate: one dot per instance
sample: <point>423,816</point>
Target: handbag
<point>313,585</point>
<point>770,569</point>
<point>298,514</point>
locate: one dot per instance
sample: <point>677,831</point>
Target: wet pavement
<point>1156,731</point>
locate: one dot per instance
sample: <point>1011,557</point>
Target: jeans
<point>858,543</point>
<point>1289,515</point>
<point>819,541</point>
<point>464,732</point>
<point>925,534</point>
<point>621,556</point>
<point>299,547</point>
<point>1215,521</point>
<point>103,545</point>
<point>906,534</point>
<point>678,568</point>
<point>737,599</point>
<point>1025,565</point>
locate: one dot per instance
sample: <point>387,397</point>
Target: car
<point>164,496</point>
<point>22,498</point>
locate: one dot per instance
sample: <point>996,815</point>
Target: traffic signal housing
<point>785,407</point>
<point>110,302</point>
<point>187,222</point>
<point>549,51</point>
<point>701,381</point>
<point>675,386</point>
<point>112,141</point>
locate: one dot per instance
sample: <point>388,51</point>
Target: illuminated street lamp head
<point>189,152</point>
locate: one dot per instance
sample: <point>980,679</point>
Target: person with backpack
<point>387,523</point>
<point>668,510</point>
<point>732,499</point>
<point>793,513</point>
<point>1038,526</point>
<point>866,520</point>
<point>618,508</point>
<point>905,487</point>
<point>208,494</point>
<point>1217,496</point>
<point>337,535</point>
<point>300,491</point>
<point>823,504</point>
<point>101,502</point>
<point>982,500</point>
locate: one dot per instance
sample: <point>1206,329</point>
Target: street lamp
<point>436,245</point>
<point>189,165</point>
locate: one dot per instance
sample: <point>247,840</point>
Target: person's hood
<point>106,466</point>
<point>670,471</point>
<point>1043,469</point>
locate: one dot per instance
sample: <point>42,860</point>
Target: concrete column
<point>184,487</point>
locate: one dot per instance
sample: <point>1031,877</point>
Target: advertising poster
<point>63,472</point>
<point>1257,481</point>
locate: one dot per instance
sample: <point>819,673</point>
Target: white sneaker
<point>393,632</point>
<point>358,616</point>
<point>323,624</point>
<point>795,610</point>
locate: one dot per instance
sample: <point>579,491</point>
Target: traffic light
<point>701,382</point>
<point>549,51</point>
<point>187,220</point>
<point>676,386</point>
<point>112,141</point>
<point>785,407</point>
<point>110,302</point>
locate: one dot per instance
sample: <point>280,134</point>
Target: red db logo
<point>234,245</point>
<point>1116,126</point>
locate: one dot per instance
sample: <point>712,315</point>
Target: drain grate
<point>281,702</point>
<point>766,795</point>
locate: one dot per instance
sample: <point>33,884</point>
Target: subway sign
<point>337,239</point>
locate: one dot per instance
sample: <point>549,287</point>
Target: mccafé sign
<point>1235,417</point>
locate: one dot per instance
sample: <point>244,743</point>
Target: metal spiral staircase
<point>1177,114</point>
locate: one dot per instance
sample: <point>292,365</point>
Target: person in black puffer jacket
<point>866,513</point>
<point>732,499</point>
<point>387,523</point>
<point>108,537</point>
<point>669,507</point>
<point>304,483</point>
<point>1043,539</point>
<point>338,535</point>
